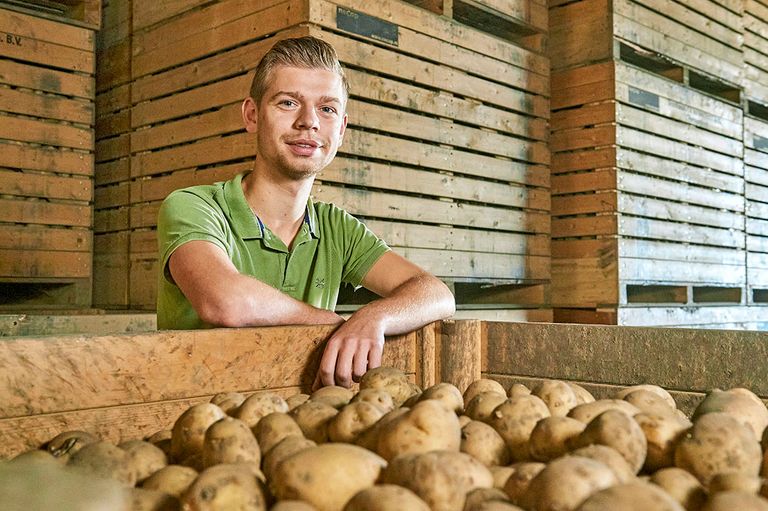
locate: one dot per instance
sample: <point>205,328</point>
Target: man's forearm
<point>415,303</point>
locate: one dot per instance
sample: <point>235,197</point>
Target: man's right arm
<point>222,296</point>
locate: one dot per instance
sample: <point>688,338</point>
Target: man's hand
<point>354,347</point>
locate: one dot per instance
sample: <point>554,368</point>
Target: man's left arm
<point>411,298</point>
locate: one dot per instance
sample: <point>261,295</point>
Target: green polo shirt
<point>331,248</point>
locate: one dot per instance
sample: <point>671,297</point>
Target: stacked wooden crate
<point>648,176</point>
<point>445,155</point>
<point>756,146</point>
<point>46,154</point>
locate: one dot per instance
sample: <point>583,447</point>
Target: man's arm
<point>411,299</point>
<point>223,296</point>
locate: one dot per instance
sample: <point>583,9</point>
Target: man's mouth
<point>305,143</point>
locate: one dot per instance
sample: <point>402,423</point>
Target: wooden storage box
<point>126,386</point>
<point>445,155</point>
<point>755,33</point>
<point>756,191</point>
<point>647,190</point>
<point>46,155</point>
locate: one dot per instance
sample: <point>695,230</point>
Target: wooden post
<point>460,352</point>
<point>426,349</point>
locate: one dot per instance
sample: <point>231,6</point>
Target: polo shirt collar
<point>245,223</point>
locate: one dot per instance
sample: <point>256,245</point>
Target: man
<point>257,251</point>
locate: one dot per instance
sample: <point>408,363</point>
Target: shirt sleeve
<point>362,248</point>
<point>185,216</point>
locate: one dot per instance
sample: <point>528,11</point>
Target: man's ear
<point>343,129</point>
<point>249,112</point>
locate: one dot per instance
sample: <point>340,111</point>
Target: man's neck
<point>279,203</point>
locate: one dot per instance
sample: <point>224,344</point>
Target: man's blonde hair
<point>304,52</point>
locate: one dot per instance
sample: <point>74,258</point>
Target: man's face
<point>300,121</point>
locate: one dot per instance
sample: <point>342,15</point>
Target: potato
<point>718,443</point>
<point>635,496</point>
<point>682,486</point>
<point>286,447</point>
<point>172,479</point>
<point>518,389</point>
<point>68,443</point>
<point>306,474</point>
<point>151,500</point>
<point>479,496</point>
<point>225,487</point>
<point>735,501</point>
<point>588,411</point>
<point>386,497</point>
<point>649,402</point>
<point>272,428</point>
<point>228,401</point>
<point>332,395</point>
<point>189,430</point>
<point>662,432</point>
<point>352,420</point>
<point>494,505</point>
<point>734,482</point>
<point>552,437</point>
<point>378,397</point>
<point>230,441</point>
<point>162,440</point>
<point>740,403</point>
<point>464,420</point>
<point>313,417</point>
<point>480,386</point>
<point>144,458</point>
<point>37,456</point>
<point>258,405</point>
<point>515,419</point>
<point>369,439</point>
<point>393,381</point>
<point>567,482</point>
<point>618,430</point>
<point>660,392</point>
<point>557,395</point>
<point>583,396</point>
<point>426,427</point>
<point>500,475</point>
<point>518,481</point>
<point>482,442</point>
<point>610,457</point>
<point>447,394</point>
<point>441,478</point>
<point>103,459</point>
<point>293,505</point>
<point>482,405</point>
<point>296,400</point>
<point>764,468</point>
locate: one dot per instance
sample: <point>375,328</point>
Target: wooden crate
<point>445,156</point>
<point>162,373</point>
<point>703,35</point>
<point>756,50</point>
<point>46,162</point>
<point>82,13</point>
<point>756,192</point>
<point>647,190</point>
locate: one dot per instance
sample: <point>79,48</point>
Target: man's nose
<point>308,119</point>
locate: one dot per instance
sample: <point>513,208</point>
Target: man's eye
<point>328,110</point>
<point>287,102</point>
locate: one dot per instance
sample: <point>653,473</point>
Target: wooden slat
<point>460,352</point>
<point>29,263</point>
<point>47,133</point>
<point>47,106</point>
<point>731,318</point>
<point>580,32</point>
<point>47,159</point>
<point>584,226</point>
<point>46,213</point>
<point>31,237</point>
<point>683,233</point>
<point>662,209</point>
<point>457,265</point>
<point>148,12</point>
<point>55,32</point>
<point>27,47</point>
<point>47,80</point>
<point>649,271</point>
<point>27,184</point>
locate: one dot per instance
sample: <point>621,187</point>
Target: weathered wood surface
<point>100,323</point>
<point>55,383</point>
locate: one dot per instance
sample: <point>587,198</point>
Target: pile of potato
<point>392,446</point>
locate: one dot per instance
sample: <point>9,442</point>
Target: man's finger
<point>374,356</point>
<point>344,363</point>
<point>328,363</point>
<point>360,362</point>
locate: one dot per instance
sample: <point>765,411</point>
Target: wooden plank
<point>665,250</point>
<point>55,32</point>
<point>111,125</point>
<point>147,12</point>
<point>597,136</point>
<point>758,227</point>
<point>157,188</point>
<point>47,133</point>
<point>591,158</point>
<point>599,180</point>
<point>31,237</point>
<point>460,352</point>
<point>584,226</point>
<point>142,282</point>
<point>649,271</point>
<point>114,100</point>
<point>119,370</point>
<point>47,159</point>
<point>449,239</point>
<point>26,184</point>
<point>680,359</point>
<point>706,317</point>
<point>591,74</point>
<point>46,213</point>
<point>15,325</point>
<point>112,196</point>
<point>47,106</point>
<point>681,192</point>
<point>479,265</point>
<point>112,148</point>
<point>705,17</point>
<point>113,68</point>
<point>110,265</point>
<point>393,178</point>
<point>585,281</point>
<point>583,203</point>
<point>219,122</point>
<point>583,116</point>
<point>683,233</point>
<point>391,206</point>
<point>39,264</point>
<point>531,14</point>
<point>46,80</point>
<point>580,33</point>
<point>112,172</point>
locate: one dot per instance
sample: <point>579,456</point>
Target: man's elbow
<point>445,299</point>
<point>221,313</point>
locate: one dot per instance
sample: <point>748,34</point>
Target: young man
<point>257,251</point>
